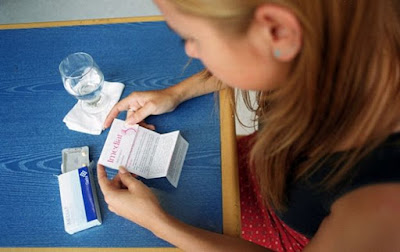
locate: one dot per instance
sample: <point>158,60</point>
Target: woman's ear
<point>276,31</point>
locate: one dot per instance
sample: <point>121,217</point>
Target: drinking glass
<point>84,80</point>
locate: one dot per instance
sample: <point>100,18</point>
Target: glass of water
<point>84,80</point>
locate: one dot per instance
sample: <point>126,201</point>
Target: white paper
<point>178,157</point>
<point>79,120</point>
<point>144,152</point>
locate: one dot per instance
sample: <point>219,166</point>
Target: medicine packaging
<point>79,202</point>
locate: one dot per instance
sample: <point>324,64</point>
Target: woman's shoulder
<point>365,219</point>
<point>376,197</point>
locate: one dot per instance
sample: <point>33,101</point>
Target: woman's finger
<point>147,126</point>
<point>104,182</point>
<point>123,105</point>
<point>127,179</point>
<point>116,181</point>
<point>140,114</point>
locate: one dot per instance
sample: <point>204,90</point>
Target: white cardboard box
<point>79,203</point>
<point>144,152</point>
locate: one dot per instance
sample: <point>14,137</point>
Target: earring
<point>277,53</point>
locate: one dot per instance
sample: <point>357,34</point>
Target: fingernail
<point>122,170</point>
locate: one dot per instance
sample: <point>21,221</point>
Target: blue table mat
<point>33,102</point>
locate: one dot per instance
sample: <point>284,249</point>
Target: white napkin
<point>79,120</point>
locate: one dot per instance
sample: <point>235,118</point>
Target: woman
<point>326,159</point>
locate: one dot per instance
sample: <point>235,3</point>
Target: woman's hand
<point>142,104</point>
<point>130,198</point>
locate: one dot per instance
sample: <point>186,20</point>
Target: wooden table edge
<point>81,22</point>
<point>230,181</point>
<point>229,166</point>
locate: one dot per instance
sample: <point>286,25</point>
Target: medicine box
<point>79,202</point>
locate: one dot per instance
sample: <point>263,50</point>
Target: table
<point>143,54</point>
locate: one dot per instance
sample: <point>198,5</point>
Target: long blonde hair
<point>344,87</point>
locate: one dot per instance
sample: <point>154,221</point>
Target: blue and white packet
<point>79,202</point>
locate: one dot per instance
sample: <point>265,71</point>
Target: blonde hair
<point>344,87</point>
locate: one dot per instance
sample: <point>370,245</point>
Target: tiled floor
<point>28,11</point>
